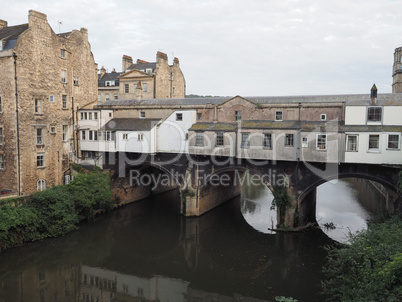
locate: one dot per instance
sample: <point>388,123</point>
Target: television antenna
<point>60,22</point>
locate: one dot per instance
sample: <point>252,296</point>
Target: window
<point>110,135</point>
<point>125,136</point>
<point>140,136</point>
<point>199,116</point>
<point>107,97</point>
<point>64,76</point>
<point>95,115</point>
<point>351,143</point>
<point>323,117</point>
<point>65,129</point>
<point>267,143</point>
<point>374,114</point>
<point>1,161</point>
<point>304,142</point>
<point>245,140</point>
<point>237,115</point>
<point>83,135</point>
<point>40,159</point>
<point>374,141</point>
<point>52,130</point>
<point>145,87</point>
<point>62,53</point>
<point>289,140</point>
<point>142,114</point>
<point>199,139</point>
<point>110,83</point>
<point>76,81</point>
<point>51,98</point>
<point>126,88</point>
<point>116,96</point>
<point>148,70</point>
<point>179,116</point>
<point>38,106</point>
<point>219,139</point>
<point>90,135</point>
<point>393,141</point>
<point>64,101</point>
<point>278,116</point>
<point>41,185</point>
<point>110,114</point>
<point>95,135</point>
<point>90,115</point>
<point>39,138</point>
<point>321,143</point>
<point>1,136</point>
<point>99,98</point>
<point>67,179</point>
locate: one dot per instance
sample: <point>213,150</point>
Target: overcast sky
<point>240,47</point>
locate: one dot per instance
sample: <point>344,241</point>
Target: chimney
<point>3,23</point>
<point>102,72</point>
<point>36,18</point>
<point>175,61</point>
<point>84,33</point>
<point>161,56</point>
<point>139,91</point>
<point>114,70</point>
<point>127,61</point>
<point>373,95</point>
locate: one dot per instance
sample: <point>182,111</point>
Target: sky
<point>238,47</point>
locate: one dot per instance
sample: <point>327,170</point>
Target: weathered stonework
<point>397,71</point>
<point>56,74</point>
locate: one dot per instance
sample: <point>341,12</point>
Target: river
<point>145,251</point>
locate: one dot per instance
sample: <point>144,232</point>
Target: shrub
<point>370,268</point>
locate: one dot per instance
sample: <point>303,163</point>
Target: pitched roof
<point>109,76</point>
<point>394,99</point>
<point>10,34</point>
<point>142,66</point>
<point>131,124</point>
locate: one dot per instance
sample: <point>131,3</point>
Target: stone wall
<point>45,101</point>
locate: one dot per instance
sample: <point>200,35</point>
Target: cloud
<point>255,47</point>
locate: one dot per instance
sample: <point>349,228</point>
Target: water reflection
<point>145,252</point>
<point>347,205</point>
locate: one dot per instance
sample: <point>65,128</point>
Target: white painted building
<point>172,133</point>
<point>373,130</point>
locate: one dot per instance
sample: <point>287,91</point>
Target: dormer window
<point>110,83</point>
<point>1,45</point>
<point>374,114</point>
<point>148,70</point>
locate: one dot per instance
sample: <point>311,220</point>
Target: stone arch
<point>307,198</point>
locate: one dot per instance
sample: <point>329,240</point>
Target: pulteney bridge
<point>205,182</point>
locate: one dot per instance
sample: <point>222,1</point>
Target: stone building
<point>45,78</point>
<point>397,71</point>
<point>142,80</point>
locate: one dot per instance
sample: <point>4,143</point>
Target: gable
<point>238,101</point>
<point>134,74</point>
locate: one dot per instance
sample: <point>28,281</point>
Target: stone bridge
<point>205,182</point>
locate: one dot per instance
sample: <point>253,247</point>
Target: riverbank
<point>55,211</point>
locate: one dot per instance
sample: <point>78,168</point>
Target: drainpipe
<point>18,126</point>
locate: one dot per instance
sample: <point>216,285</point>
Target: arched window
<point>41,185</point>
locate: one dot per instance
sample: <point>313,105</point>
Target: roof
<point>65,35</point>
<point>109,76</point>
<point>214,127</point>
<point>142,66</point>
<point>133,124</point>
<point>350,100</point>
<point>10,34</point>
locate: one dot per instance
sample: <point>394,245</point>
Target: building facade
<point>45,77</point>
<point>142,80</point>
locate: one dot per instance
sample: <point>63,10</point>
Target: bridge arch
<point>307,197</point>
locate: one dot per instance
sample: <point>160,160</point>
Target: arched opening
<point>345,205</point>
<point>146,180</point>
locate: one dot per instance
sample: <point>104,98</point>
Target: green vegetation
<point>370,268</point>
<point>55,211</point>
<point>282,201</point>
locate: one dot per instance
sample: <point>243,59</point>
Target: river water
<point>147,252</point>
